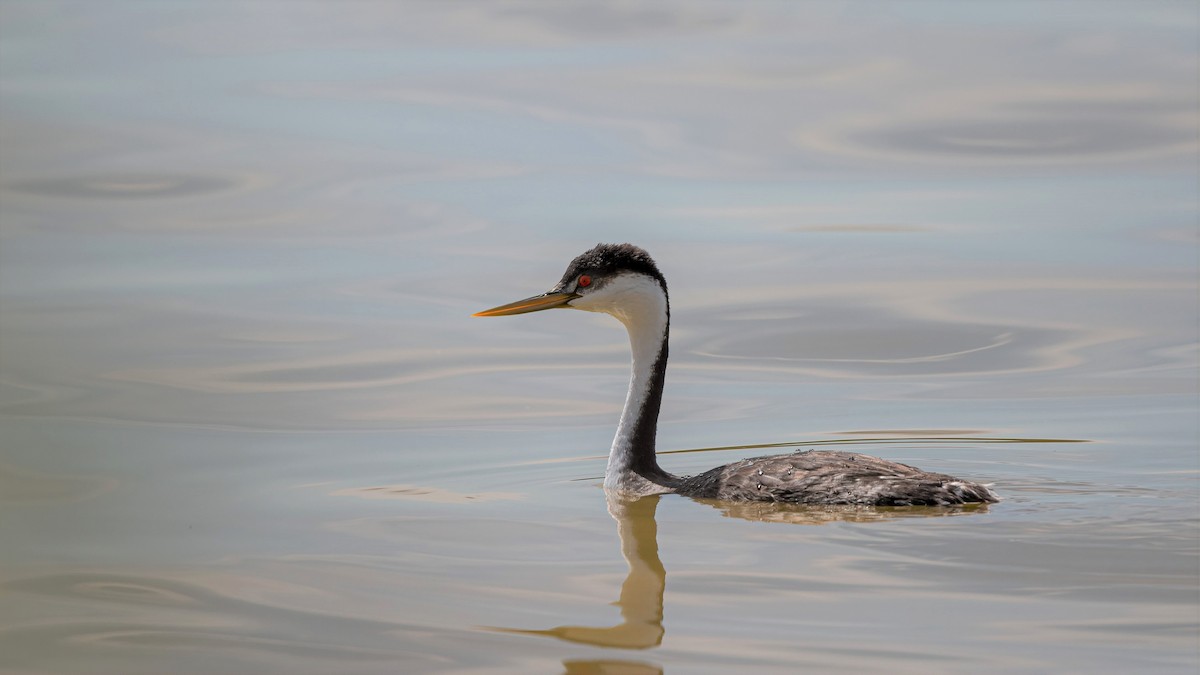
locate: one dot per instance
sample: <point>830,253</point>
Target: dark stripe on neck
<point>645,427</point>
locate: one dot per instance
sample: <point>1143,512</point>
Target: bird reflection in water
<point>641,600</point>
<point>817,514</point>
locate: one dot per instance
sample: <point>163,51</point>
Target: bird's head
<point>617,279</point>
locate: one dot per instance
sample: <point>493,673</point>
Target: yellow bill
<point>535,304</point>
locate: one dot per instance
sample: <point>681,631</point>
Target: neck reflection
<point>641,599</point>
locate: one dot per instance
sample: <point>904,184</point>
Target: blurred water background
<point>248,424</point>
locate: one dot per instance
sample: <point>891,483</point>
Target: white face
<point>629,296</point>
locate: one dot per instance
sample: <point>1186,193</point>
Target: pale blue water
<point>250,426</point>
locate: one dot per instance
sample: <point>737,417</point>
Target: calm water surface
<point>250,426</point>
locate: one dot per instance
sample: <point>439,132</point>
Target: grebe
<point>622,280</point>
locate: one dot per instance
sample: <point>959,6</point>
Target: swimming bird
<point>623,281</point>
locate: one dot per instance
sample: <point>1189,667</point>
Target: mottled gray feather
<point>825,477</point>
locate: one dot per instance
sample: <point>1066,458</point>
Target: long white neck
<point>632,466</point>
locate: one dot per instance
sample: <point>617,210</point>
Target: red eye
<point>585,281</point>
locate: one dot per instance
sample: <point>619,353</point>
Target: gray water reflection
<point>249,426</point>
<point>641,599</point>
<point>125,186</point>
<point>854,342</point>
<point>1075,133</point>
<point>19,486</point>
<point>141,624</point>
<point>254,363</point>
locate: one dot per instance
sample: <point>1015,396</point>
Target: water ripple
<point>126,186</point>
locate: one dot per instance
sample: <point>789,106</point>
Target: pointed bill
<point>535,304</point>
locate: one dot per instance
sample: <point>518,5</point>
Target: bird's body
<point>824,477</point>
<point>622,280</point>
